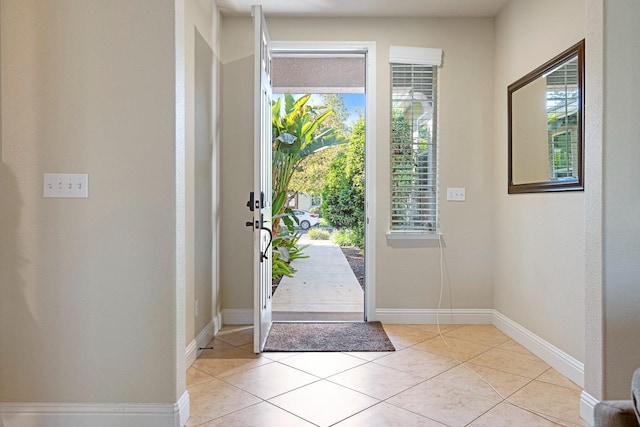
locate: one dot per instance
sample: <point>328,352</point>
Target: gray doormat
<point>328,336</point>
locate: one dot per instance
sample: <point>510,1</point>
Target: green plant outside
<point>348,237</point>
<point>297,134</point>
<point>317,234</point>
<point>344,189</point>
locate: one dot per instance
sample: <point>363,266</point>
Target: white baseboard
<point>587,407</point>
<point>237,316</point>
<point>219,322</point>
<point>558,359</point>
<point>423,316</point>
<point>95,415</point>
<point>204,337</point>
<point>184,409</point>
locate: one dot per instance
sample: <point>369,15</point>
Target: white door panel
<point>262,181</point>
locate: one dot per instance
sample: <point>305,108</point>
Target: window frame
<point>422,193</point>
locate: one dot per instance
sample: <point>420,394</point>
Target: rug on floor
<point>328,336</point>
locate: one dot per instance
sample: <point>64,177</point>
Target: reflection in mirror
<point>545,126</point>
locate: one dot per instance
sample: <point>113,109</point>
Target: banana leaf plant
<point>285,243</point>
<point>297,134</point>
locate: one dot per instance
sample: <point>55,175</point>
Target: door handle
<point>264,254</point>
<point>259,225</point>
<point>268,230</point>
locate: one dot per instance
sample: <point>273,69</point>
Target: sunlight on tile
<point>323,364</point>
<point>323,403</point>
<point>507,415</point>
<point>263,414</point>
<point>368,355</point>
<point>376,381</point>
<point>385,415</point>
<point>275,355</point>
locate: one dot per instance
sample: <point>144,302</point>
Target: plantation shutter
<point>414,161</point>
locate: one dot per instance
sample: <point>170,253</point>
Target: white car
<point>306,219</point>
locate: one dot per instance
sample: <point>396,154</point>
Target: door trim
<point>370,148</point>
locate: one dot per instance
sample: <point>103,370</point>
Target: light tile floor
<point>420,384</point>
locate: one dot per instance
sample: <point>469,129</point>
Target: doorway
<point>332,284</point>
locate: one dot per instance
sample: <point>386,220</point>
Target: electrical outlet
<point>456,194</point>
<point>67,185</point>
<point>197,307</point>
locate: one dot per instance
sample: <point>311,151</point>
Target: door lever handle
<point>266,249</point>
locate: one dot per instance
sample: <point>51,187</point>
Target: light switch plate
<point>66,185</point>
<point>456,194</point>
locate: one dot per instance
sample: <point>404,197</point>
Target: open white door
<point>261,200</point>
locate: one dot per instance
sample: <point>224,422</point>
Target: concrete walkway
<point>323,288</point>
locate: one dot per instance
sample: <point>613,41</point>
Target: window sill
<point>412,235</point>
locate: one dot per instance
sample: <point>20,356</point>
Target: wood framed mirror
<point>546,126</point>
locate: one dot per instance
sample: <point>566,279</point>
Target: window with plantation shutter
<point>414,160</point>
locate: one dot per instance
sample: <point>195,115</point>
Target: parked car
<point>306,219</point>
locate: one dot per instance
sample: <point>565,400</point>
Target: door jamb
<point>370,149</point>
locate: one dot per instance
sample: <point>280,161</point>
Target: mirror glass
<point>546,126</point>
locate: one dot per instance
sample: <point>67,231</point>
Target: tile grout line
<point>504,399</point>
<point>365,362</point>
<point>501,397</point>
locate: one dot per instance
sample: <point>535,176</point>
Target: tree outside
<point>310,175</point>
<point>344,188</point>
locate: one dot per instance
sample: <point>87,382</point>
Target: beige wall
<point>594,324</point>
<point>201,155</point>
<point>407,277</point>
<point>236,180</point>
<point>621,287</point>
<point>539,238</point>
<point>88,297</point>
<point>613,294</point>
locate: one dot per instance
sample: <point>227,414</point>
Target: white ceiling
<point>366,8</point>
